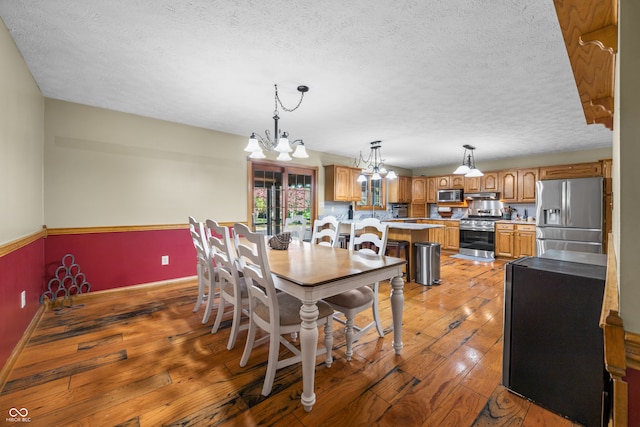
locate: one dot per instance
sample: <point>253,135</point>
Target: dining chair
<point>297,226</point>
<point>326,231</point>
<point>368,237</point>
<point>206,273</point>
<point>233,289</point>
<point>276,313</point>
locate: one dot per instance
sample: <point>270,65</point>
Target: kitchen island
<point>413,233</point>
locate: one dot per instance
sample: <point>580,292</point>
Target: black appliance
<point>553,350</point>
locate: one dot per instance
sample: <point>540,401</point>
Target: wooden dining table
<point>313,272</point>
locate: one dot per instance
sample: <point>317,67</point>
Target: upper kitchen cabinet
<point>340,184</point>
<point>456,181</point>
<point>432,190</point>
<point>488,182</point>
<point>447,182</point>
<point>578,170</point>
<point>419,189</point>
<point>400,190</point>
<point>590,32</point>
<point>518,185</point>
<point>443,182</point>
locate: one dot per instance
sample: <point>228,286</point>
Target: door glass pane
<point>267,216</point>
<point>376,193</point>
<point>364,192</point>
<point>299,200</point>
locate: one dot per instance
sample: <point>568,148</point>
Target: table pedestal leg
<point>308,344</point>
<point>397,304</point>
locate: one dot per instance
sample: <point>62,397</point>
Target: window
<point>372,194</point>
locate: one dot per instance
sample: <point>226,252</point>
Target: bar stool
<point>400,249</point>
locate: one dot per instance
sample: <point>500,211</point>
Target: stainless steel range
<point>478,228</point>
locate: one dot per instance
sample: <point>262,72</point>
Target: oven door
<point>480,243</point>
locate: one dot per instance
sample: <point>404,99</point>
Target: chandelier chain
<point>279,101</point>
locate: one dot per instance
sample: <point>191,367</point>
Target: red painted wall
<point>633,379</point>
<point>114,260</point>
<point>21,271</point>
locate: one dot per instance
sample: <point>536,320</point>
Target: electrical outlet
<point>23,299</point>
<point>165,259</point>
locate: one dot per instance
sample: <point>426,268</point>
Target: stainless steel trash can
<point>427,263</point>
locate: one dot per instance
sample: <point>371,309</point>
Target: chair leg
<point>221,306</point>
<point>328,340</point>
<point>272,364</point>
<point>248,346</point>
<point>376,314</point>
<point>200,287</point>
<point>235,323</point>
<point>349,336</point>
<point>210,298</point>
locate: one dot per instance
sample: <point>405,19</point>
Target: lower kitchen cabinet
<point>452,235</point>
<point>504,240</point>
<point>515,240</point>
<point>436,235</point>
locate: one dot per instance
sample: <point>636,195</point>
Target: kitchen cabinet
<point>488,182</point>
<point>524,240</point>
<point>504,240</point>
<point>472,185</point>
<point>418,210</point>
<point>340,183</point>
<point>452,235</point>
<point>515,240</point>
<point>456,181</point>
<point>443,182</point>
<point>400,190</point>
<point>527,179</point>
<point>436,235</point>
<point>419,189</point>
<point>518,185</point>
<point>432,190</point>
<point>577,170</point>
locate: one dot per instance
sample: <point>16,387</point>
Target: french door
<point>281,191</point>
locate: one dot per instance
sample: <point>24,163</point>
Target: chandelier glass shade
<point>374,163</point>
<point>280,141</point>
<point>468,166</point>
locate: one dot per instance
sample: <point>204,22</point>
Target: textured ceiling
<point>423,76</point>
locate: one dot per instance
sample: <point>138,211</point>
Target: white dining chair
<point>326,231</point>
<point>276,313</point>
<point>232,287</point>
<point>369,237</point>
<point>297,226</point>
<point>206,273</point>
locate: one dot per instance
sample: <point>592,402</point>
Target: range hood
<point>482,195</point>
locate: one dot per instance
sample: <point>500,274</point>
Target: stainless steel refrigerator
<point>569,215</point>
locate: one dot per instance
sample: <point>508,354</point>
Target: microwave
<point>450,196</point>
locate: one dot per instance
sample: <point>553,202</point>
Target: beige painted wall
<point>626,154</point>
<point>107,168</point>
<point>21,134</point>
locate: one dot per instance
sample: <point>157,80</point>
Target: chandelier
<point>468,166</point>
<point>280,142</point>
<point>375,163</point>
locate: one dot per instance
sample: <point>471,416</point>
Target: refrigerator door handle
<point>566,215</point>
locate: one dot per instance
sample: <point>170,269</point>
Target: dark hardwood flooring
<point>143,358</point>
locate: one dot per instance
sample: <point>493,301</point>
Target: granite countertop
<point>516,221</point>
<point>411,225</point>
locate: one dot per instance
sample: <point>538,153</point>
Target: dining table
<point>313,272</point>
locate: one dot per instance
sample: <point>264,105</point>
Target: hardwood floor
<point>145,359</point>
